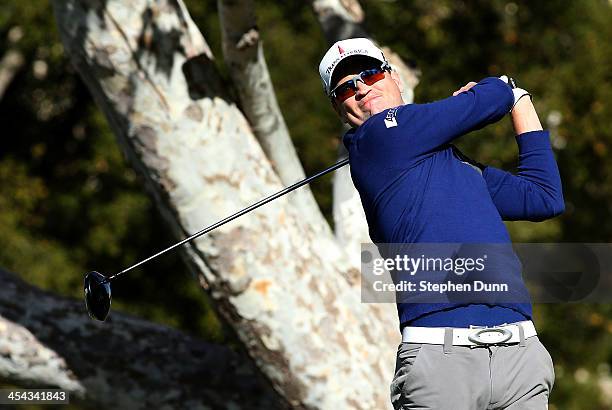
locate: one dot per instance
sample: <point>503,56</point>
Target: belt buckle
<point>493,335</point>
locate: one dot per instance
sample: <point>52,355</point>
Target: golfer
<point>416,187</point>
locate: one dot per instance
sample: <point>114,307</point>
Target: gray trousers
<point>509,377</point>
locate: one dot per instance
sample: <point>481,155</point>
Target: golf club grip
<point>236,215</point>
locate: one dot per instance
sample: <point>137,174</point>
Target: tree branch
<point>243,54</point>
<point>127,363</point>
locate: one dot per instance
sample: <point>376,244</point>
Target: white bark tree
<point>281,279</point>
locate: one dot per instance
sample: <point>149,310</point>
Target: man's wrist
<point>518,94</point>
<point>524,117</point>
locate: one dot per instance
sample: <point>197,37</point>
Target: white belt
<point>474,336</point>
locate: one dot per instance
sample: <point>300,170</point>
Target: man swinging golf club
<point>417,188</point>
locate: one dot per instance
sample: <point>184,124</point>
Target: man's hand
<point>517,92</point>
<point>464,88</point>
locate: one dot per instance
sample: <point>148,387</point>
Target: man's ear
<point>395,76</point>
<point>339,111</point>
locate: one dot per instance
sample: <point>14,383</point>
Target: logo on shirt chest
<point>391,118</point>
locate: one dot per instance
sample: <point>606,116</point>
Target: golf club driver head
<point>97,295</point>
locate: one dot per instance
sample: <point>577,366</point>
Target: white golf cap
<point>343,49</point>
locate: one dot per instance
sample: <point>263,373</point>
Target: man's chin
<point>355,122</point>
<point>366,113</point>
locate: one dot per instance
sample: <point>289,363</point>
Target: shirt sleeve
<point>430,126</point>
<point>535,192</point>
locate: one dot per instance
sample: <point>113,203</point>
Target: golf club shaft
<point>234,216</point>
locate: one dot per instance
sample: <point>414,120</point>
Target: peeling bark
<point>127,363</point>
<point>339,19</point>
<point>285,287</point>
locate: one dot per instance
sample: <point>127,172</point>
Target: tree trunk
<point>47,340</point>
<point>286,288</point>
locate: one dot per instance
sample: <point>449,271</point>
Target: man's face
<point>369,99</point>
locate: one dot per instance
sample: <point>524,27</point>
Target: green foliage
<point>69,203</point>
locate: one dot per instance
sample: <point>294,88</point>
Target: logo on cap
<point>340,49</point>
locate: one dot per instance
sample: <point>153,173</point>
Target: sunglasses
<point>349,88</point>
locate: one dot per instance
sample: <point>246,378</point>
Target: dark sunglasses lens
<point>344,92</point>
<point>372,76</point>
<point>97,295</point>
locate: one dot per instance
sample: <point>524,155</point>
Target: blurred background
<point>69,203</point>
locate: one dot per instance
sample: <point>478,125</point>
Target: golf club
<point>97,286</point>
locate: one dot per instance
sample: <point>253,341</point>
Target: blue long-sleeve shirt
<point>414,187</point>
